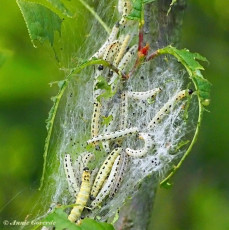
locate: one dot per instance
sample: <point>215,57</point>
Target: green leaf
<point>107,89</point>
<point>107,120</point>
<point>41,22</point>
<point>190,62</point>
<point>61,7</point>
<point>60,218</point>
<point>89,224</point>
<point>137,10</point>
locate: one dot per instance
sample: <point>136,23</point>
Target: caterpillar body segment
<point>167,107</point>
<point>124,159</point>
<point>122,50</point>
<point>113,135</point>
<point>71,175</point>
<point>82,197</point>
<point>111,38</point>
<point>95,119</point>
<point>127,58</point>
<point>120,6</point>
<point>111,50</point>
<point>124,110</point>
<point>126,8</point>
<point>104,171</point>
<point>144,95</point>
<point>107,185</point>
<point>106,146</point>
<point>86,158</point>
<point>141,152</point>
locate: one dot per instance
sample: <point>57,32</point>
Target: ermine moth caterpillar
<point>70,175</point>
<point>167,106</point>
<point>107,185</point>
<point>127,58</point>
<point>124,110</point>
<point>104,171</point>
<point>119,176</point>
<point>122,50</point>
<point>111,38</point>
<point>95,119</point>
<point>144,95</point>
<point>111,50</point>
<point>113,135</point>
<point>126,8</point>
<point>141,152</point>
<point>82,196</point>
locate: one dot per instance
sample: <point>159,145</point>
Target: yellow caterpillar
<point>104,171</point>
<point>82,197</point>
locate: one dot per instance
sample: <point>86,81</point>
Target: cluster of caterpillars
<point>82,184</point>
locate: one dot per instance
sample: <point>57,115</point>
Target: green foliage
<point>107,89</point>
<point>107,120</point>
<point>137,9</point>
<point>60,218</point>
<point>61,7</point>
<point>190,62</point>
<point>41,22</point>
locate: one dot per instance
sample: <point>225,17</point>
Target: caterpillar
<point>104,171</point>
<point>70,175</point>
<point>167,106</point>
<point>111,38</point>
<point>127,58</point>
<point>111,50</point>
<point>113,135</point>
<point>124,111</point>
<point>141,152</point>
<point>95,119</point>
<point>86,158</point>
<point>82,197</point>
<point>122,67</point>
<point>122,50</point>
<point>126,8</point>
<point>144,95</point>
<point>107,185</point>
<point>119,176</point>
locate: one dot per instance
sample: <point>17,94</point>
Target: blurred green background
<point>199,198</point>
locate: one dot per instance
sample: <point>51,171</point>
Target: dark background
<point>199,196</point>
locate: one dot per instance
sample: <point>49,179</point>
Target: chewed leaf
<point>103,84</point>
<point>107,120</point>
<point>41,22</point>
<point>203,86</point>
<point>60,220</point>
<point>92,224</point>
<point>190,62</point>
<point>136,12</point>
<point>61,7</point>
